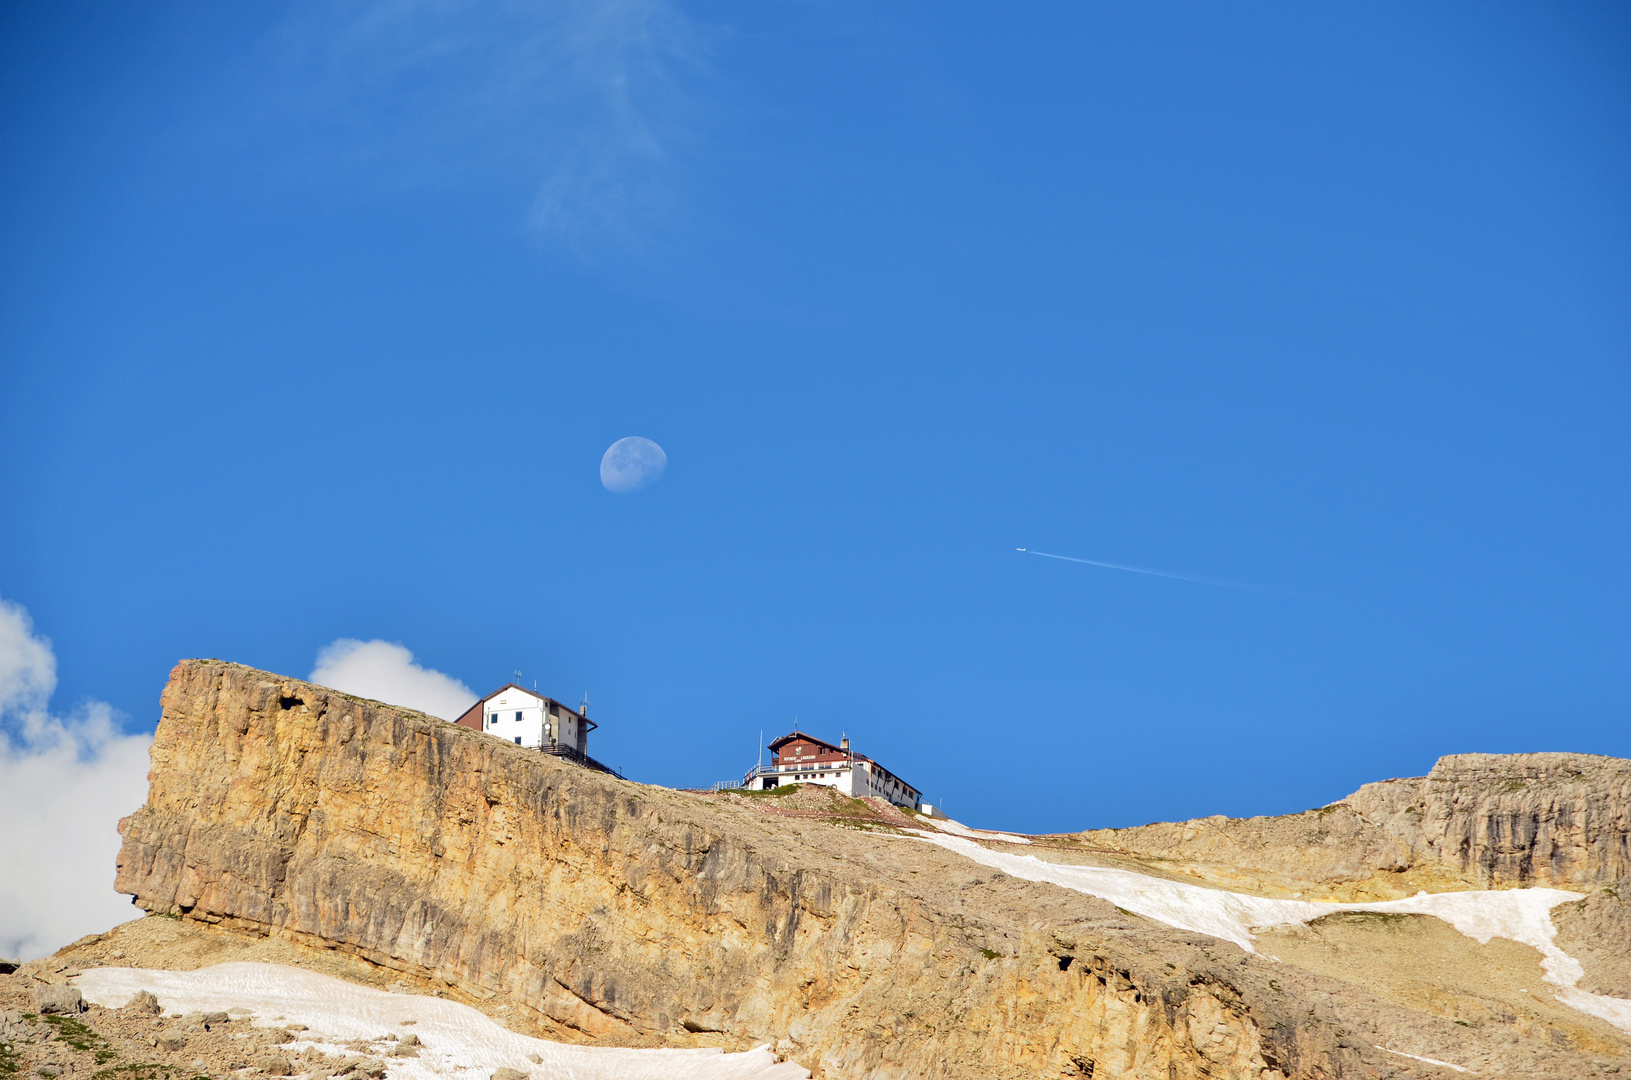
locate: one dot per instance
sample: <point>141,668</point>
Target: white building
<point>798,758</point>
<point>532,720</point>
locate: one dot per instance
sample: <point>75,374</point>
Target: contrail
<point>1218,582</point>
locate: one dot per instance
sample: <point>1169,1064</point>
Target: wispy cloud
<point>386,671</point>
<point>64,784</point>
<point>590,101</point>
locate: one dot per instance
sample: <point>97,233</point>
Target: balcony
<point>791,772</point>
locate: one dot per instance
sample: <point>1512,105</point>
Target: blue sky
<point>315,321</point>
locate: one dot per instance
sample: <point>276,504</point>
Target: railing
<point>746,781</point>
<point>754,774</point>
<point>781,770</point>
<point>570,753</point>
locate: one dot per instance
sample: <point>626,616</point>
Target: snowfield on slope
<point>1523,915</point>
<point>957,828</point>
<point>459,1043</point>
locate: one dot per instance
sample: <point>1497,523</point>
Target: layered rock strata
<point>611,911</point>
<point>1487,821</point>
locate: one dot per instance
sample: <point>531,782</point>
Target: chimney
<point>843,744</point>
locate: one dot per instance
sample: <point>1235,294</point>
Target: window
<point>518,740</point>
<point>518,718</point>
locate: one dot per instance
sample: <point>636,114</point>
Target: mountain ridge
<point>601,910</point>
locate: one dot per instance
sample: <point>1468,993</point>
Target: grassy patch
<point>854,808</point>
<point>991,954</point>
<point>10,1060</point>
<point>81,1038</point>
<point>1368,918</point>
<point>142,1070</point>
<point>773,793</point>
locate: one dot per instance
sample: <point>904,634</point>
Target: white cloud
<point>64,785</point>
<point>28,669</point>
<point>65,781</point>
<point>385,671</point>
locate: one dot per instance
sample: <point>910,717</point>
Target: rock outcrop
<point>1597,932</point>
<point>1487,821</point>
<point>1510,820</point>
<point>1475,821</point>
<point>584,907</point>
<point>611,911</point>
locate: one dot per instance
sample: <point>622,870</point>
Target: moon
<point>631,464</point>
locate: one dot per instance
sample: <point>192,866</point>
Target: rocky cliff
<point>1475,821</point>
<point>1484,821</point>
<point>588,908</point>
<point>603,909</point>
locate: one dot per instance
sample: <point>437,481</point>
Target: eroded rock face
<point>611,911</point>
<point>1475,821</point>
<point>1503,820</point>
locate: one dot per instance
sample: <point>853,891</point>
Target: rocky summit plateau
<point>1470,922</point>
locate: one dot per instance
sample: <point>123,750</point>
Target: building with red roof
<point>797,758</point>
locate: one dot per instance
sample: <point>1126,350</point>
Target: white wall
<point>500,718</point>
<point>567,725</point>
<point>857,782</point>
<point>537,726</point>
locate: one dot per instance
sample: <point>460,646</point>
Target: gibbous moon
<point>631,464</point>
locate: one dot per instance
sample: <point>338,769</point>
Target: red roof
<point>785,739</point>
<point>822,744</point>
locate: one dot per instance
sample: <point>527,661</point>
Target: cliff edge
<point>588,908</point>
<point>1475,821</point>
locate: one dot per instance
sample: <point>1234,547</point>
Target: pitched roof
<point>474,711</point>
<point>777,744</point>
<point>785,739</point>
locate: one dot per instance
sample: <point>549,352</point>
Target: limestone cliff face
<point>607,910</point>
<point>1501,820</point>
<point>1476,820</point>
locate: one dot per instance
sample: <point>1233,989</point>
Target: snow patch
<point>1418,1057</point>
<point>459,1043</point>
<point>1523,915</point>
<point>958,829</point>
